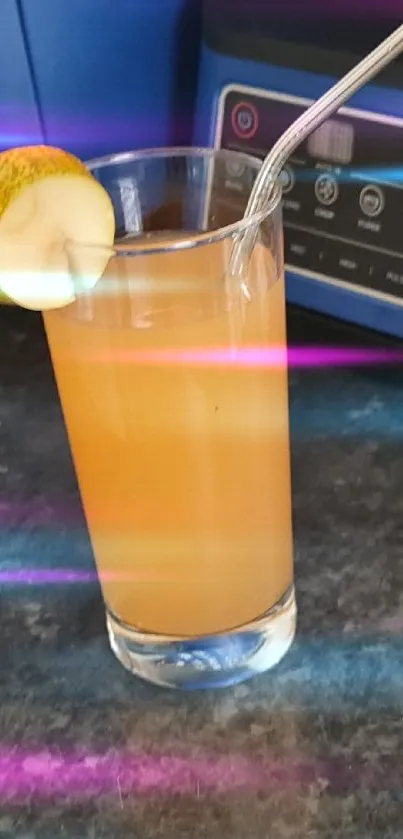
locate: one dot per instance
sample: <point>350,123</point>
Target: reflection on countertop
<point>312,749</point>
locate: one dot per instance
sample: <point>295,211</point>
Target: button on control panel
<point>245,120</point>
<point>326,189</point>
<point>287,179</point>
<point>372,200</point>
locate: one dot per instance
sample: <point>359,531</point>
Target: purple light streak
<point>307,357</point>
<point>69,576</point>
<point>46,576</point>
<point>44,515</point>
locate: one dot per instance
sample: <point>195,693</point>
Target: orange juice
<point>178,424</point>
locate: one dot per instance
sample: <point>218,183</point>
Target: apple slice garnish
<point>47,200</point>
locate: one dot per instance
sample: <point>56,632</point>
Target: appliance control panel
<point>342,188</point>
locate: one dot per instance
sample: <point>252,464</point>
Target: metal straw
<point>299,130</point>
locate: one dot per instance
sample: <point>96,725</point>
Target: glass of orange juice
<point>173,381</point>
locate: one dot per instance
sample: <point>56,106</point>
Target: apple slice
<point>47,199</point>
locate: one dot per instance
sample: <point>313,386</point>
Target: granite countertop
<point>312,749</point>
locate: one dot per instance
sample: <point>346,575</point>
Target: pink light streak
<point>251,357</point>
<point>52,774</point>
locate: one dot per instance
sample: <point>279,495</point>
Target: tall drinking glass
<point>173,381</point>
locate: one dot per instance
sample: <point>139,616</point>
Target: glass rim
<point>192,240</point>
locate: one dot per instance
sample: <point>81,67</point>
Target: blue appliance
<point>19,118</point>
<point>98,76</point>
<point>261,66</point>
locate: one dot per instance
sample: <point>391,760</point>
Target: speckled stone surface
<point>312,749</point>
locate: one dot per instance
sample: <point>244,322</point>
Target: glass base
<point>211,661</point>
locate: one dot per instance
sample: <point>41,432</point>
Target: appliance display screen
<point>333,141</point>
